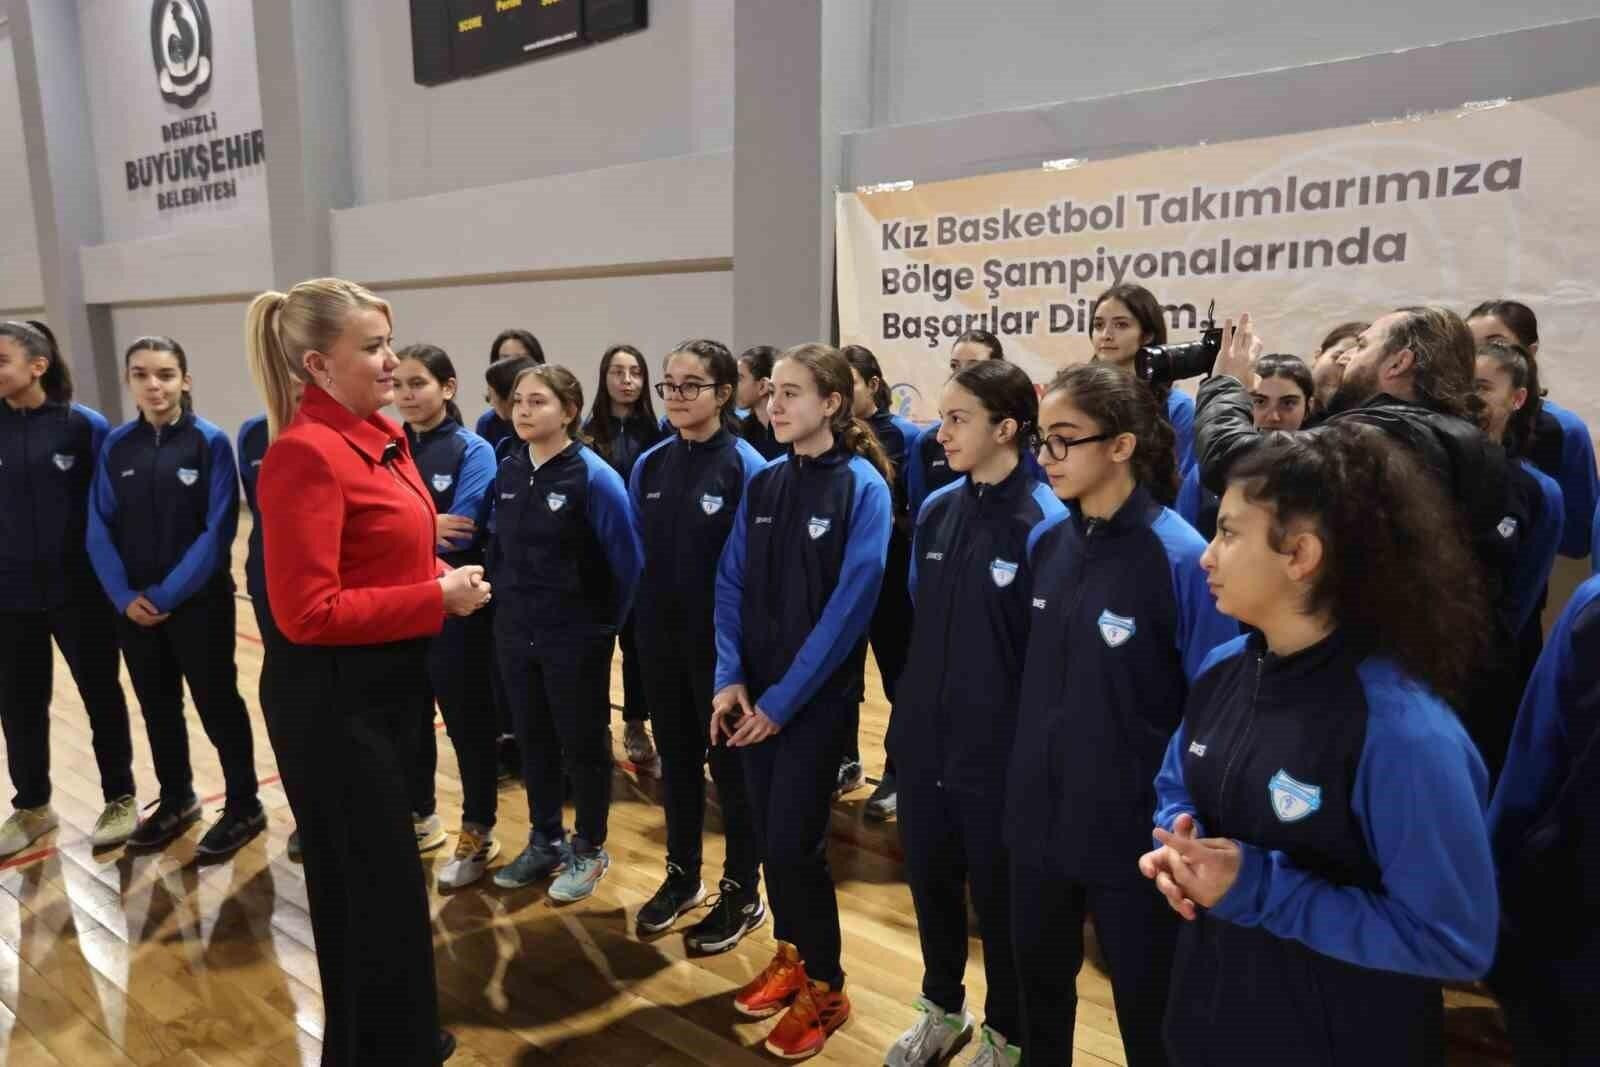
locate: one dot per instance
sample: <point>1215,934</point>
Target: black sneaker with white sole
<point>232,832</point>
<point>677,895</point>
<point>851,777</point>
<point>170,819</point>
<point>885,799</point>
<point>736,912</point>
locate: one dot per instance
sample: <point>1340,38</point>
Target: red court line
<point>31,857</point>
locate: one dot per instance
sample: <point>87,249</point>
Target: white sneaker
<point>116,824</point>
<point>992,1051</point>
<point>475,850</point>
<point>934,1035</point>
<point>430,832</point>
<point>24,827</point>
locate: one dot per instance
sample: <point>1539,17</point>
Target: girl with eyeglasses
<point>685,492</point>
<point>1121,620</point>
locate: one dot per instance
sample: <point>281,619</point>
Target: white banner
<point>1304,231</point>
<point>175,106</point>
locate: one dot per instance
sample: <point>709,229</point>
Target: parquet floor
<point>155,959</point>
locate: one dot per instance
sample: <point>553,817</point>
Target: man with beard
<point>1410,374</point>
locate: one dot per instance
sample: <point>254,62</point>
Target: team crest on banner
<point>188,475</point>
<point>816,527</point>
<point>180,42</point>
<point>1116,629</point>
<point>710,504</point>
<point>441,482</point>
<point>555,500</point>
<point>1292,800</point>
<point>1002,572</point>
<point>64,461</point>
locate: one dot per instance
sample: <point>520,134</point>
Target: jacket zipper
<point>1249,724</point>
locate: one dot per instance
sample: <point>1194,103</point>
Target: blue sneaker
<point>583,873</point>
<point>537,862</point>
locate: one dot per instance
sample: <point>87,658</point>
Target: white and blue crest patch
<point>64,460</point>
<point>1292,800</point>
<point>1507,528</point>
<point>816,526</point>
<point>188,475</point>
<point>1003,572</point>
<point>710,504</point>
<point>1116,629</point>
<point>556,501</point>
<point>441,482</point>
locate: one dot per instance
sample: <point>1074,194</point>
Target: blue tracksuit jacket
<point>47,458</point>
<point>458,467</point>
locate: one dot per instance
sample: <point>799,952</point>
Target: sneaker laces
<point>116,809</point>
<point>469,844</point>
<point>924,1038</point>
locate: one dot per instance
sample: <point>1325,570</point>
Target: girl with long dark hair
<point>928,469</point>
<point>1320,827</point>
<point>161,526</point>
<point>755,388</point>
<point>458,469</point>
<point>494,425</point>
<point>1121,620</point>
<point>796,585</point>
<point>685,493</point>
<point>1124,319</point>
<point>48,448</point>
<point>956,717</point>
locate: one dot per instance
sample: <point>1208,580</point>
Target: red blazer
<point>349,540</point>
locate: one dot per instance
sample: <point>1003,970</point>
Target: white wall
<point>934,60</point>
<point>665,91</point>
<point>21,288</point>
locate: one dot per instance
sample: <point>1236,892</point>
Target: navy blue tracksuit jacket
<point>928,469</point>
<point>798,580</point>
<point>47,458</point>
<point>567,557</point>
<point>1563,449</point>
<point>1358,801</point>
<point>956,711</point>
<point>252,450</point>
<point>493,429</point>
<point>1122,620</point>
<point>685,496</point>
<point>458,467</point>
<point>164,511</point>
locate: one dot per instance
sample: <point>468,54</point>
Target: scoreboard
<point>459,38</point>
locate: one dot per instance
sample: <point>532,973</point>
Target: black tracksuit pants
<point>195,645</point>
<point>953,841</point>
<point>559,688</point>
<point>344,726</point>
<point>460,663</point>
<point>1138,934</point>
<point>85,628</point>
<point>680,680</point>
<point>635,705</point>
<point>890,636</point>
<point>791,777</point>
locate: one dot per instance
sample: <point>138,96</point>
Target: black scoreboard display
<point>459,38</point>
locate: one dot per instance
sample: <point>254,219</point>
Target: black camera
<point>1159,364</point>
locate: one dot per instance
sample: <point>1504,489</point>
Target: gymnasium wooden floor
<point>154,959</point>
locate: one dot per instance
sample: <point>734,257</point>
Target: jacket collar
<point>1137,512</point>
<point>446,428</point>
<point>183,422</point>
<point>999,496</point>
<point>370,436</point>
<point>721,439</point>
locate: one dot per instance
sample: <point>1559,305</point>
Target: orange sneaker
<point>770,992</point>
<point>816,1013</point>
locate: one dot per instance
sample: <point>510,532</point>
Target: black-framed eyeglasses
<point>687,391</point>
<point>1059,446</point>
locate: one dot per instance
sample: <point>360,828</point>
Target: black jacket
<point>47,458</point>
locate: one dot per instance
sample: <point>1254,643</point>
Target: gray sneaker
<point>932,1038</point>
<point>992,1051</point>
<point>577,882</point>
<point>116,824</point>
<point>24,827</point>
<point>535,863</point>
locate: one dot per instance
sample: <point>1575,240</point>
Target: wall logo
<point>180,41</point>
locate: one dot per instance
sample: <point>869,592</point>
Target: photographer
<point>1124,320</point>
<point>1410,374</point>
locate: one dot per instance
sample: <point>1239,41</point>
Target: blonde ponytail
<point>281,328</point>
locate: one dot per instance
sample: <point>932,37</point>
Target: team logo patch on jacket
<point>441,482</point>
<point>710,504</point>
<point>64,461</point>
<point>1003,572</point>
<point>816,527</point>
<point>1116,629</point>
<point>1292,800</point>
<point>188,475</point>
<point>556,501</point>
<point>1507,527</point>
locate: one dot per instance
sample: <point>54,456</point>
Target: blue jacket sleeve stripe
<point>1540,755</point>
<point>916,478</point>
<point>101,541</point>
<point>1180,412</point>
<point>98,427</point>
<point>1201,627</point>
<point>1580,482</point>
<point>845,616</point>
<point>611,518</point>
<point>474,480</point>
<point>728,611</point>
<point>201,561</point>
<point>1419,796</point>
<point>1172,792</point>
